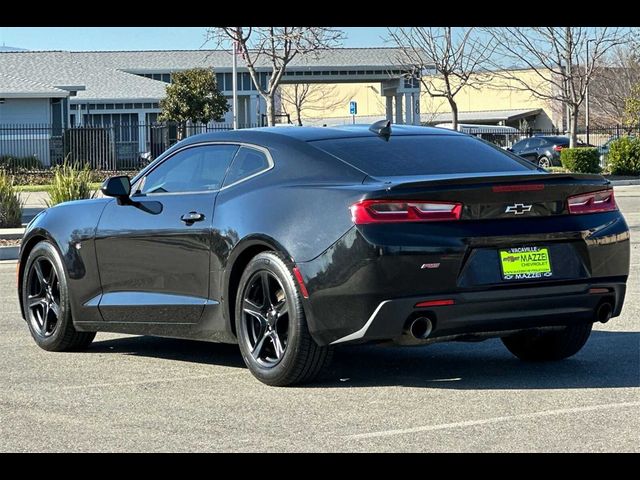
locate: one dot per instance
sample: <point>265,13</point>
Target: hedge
<point>624,156</point>
<point>581,160</point>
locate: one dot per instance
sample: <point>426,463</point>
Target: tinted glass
<point>532,143</point>
<point>520,145</point>
<point>191,170</point>
<point>247,162</point>
<point>422,155</point>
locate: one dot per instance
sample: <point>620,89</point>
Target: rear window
<point>422,155</point>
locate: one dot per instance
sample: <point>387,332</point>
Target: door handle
<point>191,217</point>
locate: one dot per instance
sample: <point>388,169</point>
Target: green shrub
<point>10,203</point>
<point>581,160</point>
<point>70,182</point>
<point>19,163</point>
<point>624,156</point>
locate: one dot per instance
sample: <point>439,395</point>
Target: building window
<point>73,106</point>
<point>220,81</point>
<point>137,105</point>
<point>228,81</point>
<point>166,77</point>
<point>247,84</point>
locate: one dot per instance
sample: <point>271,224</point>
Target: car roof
<point>308,134</point>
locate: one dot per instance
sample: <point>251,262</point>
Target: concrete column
<point>415,100</point>
<point>408,106</point>
<point>399,109</point>
<point>142,133</point>
<point>389,107</point>
<point>253,110</point>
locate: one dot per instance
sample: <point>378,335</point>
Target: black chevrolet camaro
<point>290,241</point>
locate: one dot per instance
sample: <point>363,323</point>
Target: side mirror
<point>118,187</point>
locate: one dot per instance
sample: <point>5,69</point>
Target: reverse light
<point>594,202</point>
<point>389,211</point>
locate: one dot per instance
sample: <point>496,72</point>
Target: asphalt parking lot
<point>131,393</point>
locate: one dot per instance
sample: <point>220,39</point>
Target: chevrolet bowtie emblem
<point>518,208</point>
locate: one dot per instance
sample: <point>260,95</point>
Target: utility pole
<point>234,80</point>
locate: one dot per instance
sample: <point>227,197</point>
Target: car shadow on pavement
<point>172,349</point>
<point>608,360</point>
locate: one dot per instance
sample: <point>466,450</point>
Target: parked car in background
<point>544,151</point>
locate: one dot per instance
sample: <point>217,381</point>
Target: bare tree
<point>612,84</point>
<point>313,97</point>
<point>557,56</point>
<point>458,57</point>
<point>274,47</point>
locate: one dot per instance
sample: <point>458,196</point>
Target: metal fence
<point>103,147</point>
<point>123,146</point>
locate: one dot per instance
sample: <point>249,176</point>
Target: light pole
<point>586,93</point>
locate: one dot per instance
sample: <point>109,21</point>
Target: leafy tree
<point>193,96</point>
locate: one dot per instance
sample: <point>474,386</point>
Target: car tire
<point>45,300</point>
<point>298,358</point>
<point>549,346</point>
<point>544,162</point>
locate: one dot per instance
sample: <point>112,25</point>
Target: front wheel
<point>548,346</point>
<point>271,326</point>
<point>45,300</point>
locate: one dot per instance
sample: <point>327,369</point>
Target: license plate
<point>525,262</point>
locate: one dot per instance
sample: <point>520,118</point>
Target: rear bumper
<point>493,310</point>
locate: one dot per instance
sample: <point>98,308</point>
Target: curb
<point>621,183</point>
<point>11,233</point>
<point>9,253</point>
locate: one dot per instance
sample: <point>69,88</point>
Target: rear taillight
<point>557,148</point>
<point>594,202</point>
<point>387,211</point>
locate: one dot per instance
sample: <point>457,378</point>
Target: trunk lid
<point>493,196</point>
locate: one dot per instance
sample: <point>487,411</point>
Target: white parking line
<point>486,421</point>
<point>146,382</point>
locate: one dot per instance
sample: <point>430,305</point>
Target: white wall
<point>25,110</point>
<point>21,142</point>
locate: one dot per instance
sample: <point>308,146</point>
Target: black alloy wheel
<point>45,302</point>
<point>272,327</point>
<point>265,314</point>
<point>43,297</point>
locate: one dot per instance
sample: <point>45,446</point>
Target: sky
<point>141,38</point>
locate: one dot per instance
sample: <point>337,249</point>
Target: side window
<point>194,169</point>
<point>534,143</point>
<point>248,161</point>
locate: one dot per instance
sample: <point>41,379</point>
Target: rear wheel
<point>271,326</point>
<point>45,298</point>
<point>549,346</point>
<point>544,162</point>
